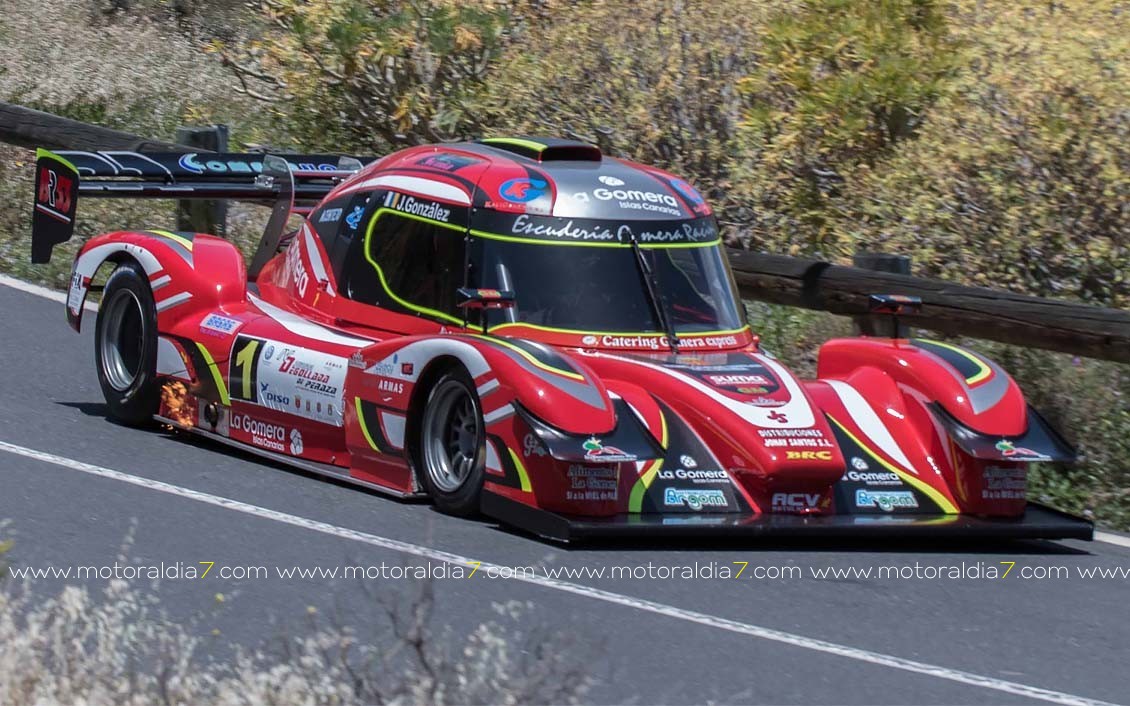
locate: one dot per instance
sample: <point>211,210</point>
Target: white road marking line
<point>1110,538</point>
<point>53,295</point>
<point>640,604</point>
<point>37,290</point>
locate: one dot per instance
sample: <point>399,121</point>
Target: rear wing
<point>61,177</point>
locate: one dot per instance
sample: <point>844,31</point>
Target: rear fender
<point>187,272</point>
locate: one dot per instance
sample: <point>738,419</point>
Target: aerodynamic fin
<point>56,197</point>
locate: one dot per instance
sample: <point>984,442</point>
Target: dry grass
<point>118,647</point>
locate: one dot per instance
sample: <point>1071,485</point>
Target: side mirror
<point>467,298</point>
<point>894,304</point>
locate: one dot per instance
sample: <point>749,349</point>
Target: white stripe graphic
<point>169,302</point>
<point>300,326</point>
<point>415,186</point>
<point>869,422</point>
<point>640,604</point>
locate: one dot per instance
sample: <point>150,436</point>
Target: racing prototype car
<point>531,330</point>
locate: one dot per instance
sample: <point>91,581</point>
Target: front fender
<point>977,392</point>
<point>182,268</point>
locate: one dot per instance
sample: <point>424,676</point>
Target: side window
<point>407,264</point>
<point>326,220</point>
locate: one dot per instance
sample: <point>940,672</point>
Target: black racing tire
<point>453,444</point>
<point>125,346</point>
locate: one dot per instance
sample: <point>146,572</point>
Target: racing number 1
<point>243,369</point>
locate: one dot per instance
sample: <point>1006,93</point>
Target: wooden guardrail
<point>977,312</point>
<point>990,314</point>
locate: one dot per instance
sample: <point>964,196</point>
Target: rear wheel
<point>453,444</point>
<point>125,346</point>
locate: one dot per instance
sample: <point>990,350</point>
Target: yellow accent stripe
<point>40,152</point>
<point>173,236</point>
<point>381,275</point>
<point>528,144</point>
<point>983,372</point>
<point>909,478</point>
<point>531,359</point>
<point>639,490</point>
<point>551,329</point>
<point>580,244</point>
<point>523,477</point>
<point>224,398</point>
<point>364,427</point>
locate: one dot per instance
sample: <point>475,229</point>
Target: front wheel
<point>453,444</point>
<point>125,346</point>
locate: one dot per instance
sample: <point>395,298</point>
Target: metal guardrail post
<point>203,216</point>
<point>884,326</point>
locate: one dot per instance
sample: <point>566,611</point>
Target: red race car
<point>528,329</point>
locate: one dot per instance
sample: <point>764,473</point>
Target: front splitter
<point>1038,522</point>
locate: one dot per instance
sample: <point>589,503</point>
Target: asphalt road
<point>73,485</point>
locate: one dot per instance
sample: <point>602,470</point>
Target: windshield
<point>595,283</point>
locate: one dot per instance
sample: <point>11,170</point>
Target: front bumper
<point>1038,522</point>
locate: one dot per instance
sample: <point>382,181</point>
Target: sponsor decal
<point>610,180</point>
<point>532,446</point>
<point>446,162</point>
<point>416,207</point>
<point>54,195</point>
<point>683,233</point>
<point>808,455</point>
<point>298,381</point>
<point>216,325</point>
<point>387,367</point>
<point>691,194</point>
<point>525,226</point>
<point>735,380</point>
<point>794,502</point>
<point>694,498</point>
<point>595,450</point>
<point>593,483</point>
<point>272,397</point>
<point>386,385</point>
<point>295,270</point>
<point>660,342</point>
<point>265,435</point>
<point>296,442</point>
<point>638,200</point>
<point>354,218</point>
<point>357,360</point>
<point>406,369</point>
<point>795,438</point>
<point>688,461</point>
<point>1008,449</point>
<point>589,340</point>
<point>694,475</point>
<point>190,163</point>
<point>859,464</point>
<point>872,477</point>
<point>330,215</point>
<point>885,500</point>
<point>761,401</point>
<point>778,417</point>
<point>522,190</point>
<point>75,293</point>
<point>1004,483</point>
